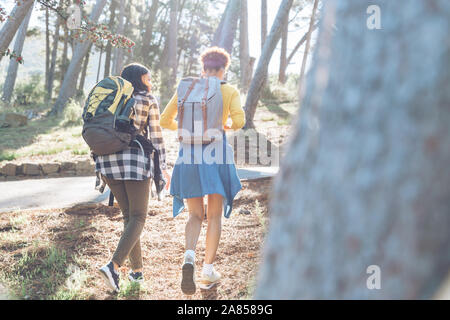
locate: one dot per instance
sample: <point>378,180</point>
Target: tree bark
<point>11,76</point>
<point>263,64</point>
<point>68,87</point>
<point>365,179</point>
<point>244,54</point>
<point>12,24</point>
<point>112,17</point>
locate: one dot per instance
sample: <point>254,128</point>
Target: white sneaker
<point>207,281</point>
<point>188,276</point>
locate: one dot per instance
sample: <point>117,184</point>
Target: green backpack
<point>107,115</point>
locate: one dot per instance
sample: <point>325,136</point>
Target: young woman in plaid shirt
<point>128,173</point>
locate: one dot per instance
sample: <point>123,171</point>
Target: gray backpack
<point>200,110</point>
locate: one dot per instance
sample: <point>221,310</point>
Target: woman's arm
<point>237,114</point>
<point>170,112</point>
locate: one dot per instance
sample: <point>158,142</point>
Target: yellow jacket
<point>231,107</point>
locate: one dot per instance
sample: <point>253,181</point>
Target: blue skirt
<point>205,169</point>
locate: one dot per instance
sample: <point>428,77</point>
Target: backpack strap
<point>180,121</point>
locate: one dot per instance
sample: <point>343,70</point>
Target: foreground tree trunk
<point>11,76</point>
<point>263,63</point>
<point>68,88</point>
<point>365,180</point>
<point>12,24</point>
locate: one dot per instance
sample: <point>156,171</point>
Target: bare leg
<point>194,224</point>
<point>214,214</point>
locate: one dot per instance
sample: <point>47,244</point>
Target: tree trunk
<point>244,54</point>
<point>47,49</point>
<point>99,63</point>
<point>118,52</point>
<point>84,72</point>
<point>12,24</point>
<point>64,60</point>
<point>298,45</point>
<point>218,33</point>
<point>148,34</point>
<point>51,72</point>
<point>112,17</point>
<point>283,55</point>
<point>365,179</point>
<point>308,42</point>
<point>169,75</point>
<point>263,63</point>
<point>263,22</point>
<point>68,87</point>
<point>228,32</point>
<point>11,76</point>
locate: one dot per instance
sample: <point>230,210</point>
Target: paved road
<point>66,192</point>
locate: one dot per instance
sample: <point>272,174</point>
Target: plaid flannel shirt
<point>132,163</point>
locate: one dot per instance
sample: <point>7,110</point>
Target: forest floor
<point>55,254</point>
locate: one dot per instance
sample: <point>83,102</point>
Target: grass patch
<point>38,272</point>
<point>7,156</point>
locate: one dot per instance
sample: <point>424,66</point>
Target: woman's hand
<point>167,177</point>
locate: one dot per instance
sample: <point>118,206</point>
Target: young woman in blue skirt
<point>194,181</point>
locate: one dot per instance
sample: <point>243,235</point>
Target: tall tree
<point>169,73</point>
<point>68,87</point>
<point>228,30</point>
<point>11,76</point>
<point>51,71</point>
<point>297,46</point>
<point>47,47</point>
<point>84,72</point>
<point>218,32</point>
<point>12,24</point>
<point>366,183</point>
<point>244,54</point>
<point>263,22</point>
<point>308,43</point>
<point>283,53</point>
<point>149,24</point>
<point>263,63</point>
